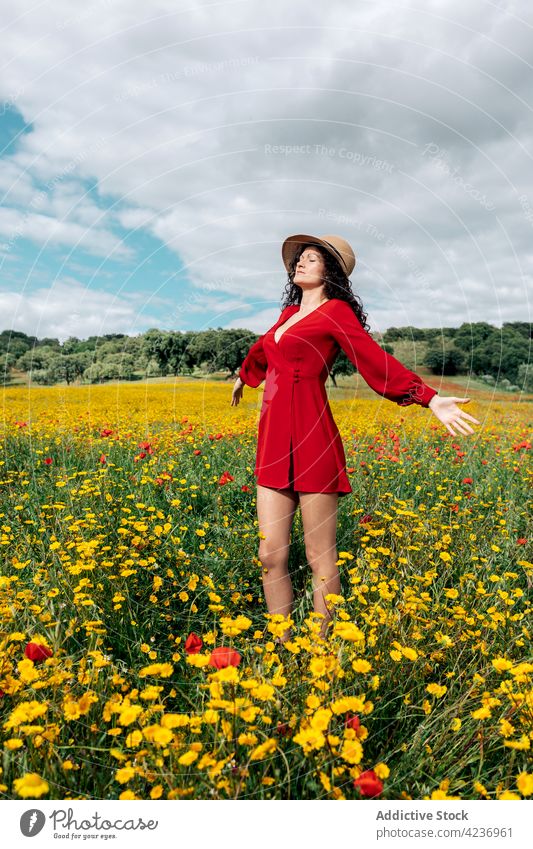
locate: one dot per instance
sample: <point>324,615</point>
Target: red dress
<point>299,446</point>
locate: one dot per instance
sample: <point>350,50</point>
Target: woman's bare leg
<point>275,513</point>
<point>319,519</point>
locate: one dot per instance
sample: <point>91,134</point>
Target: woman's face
<point>310,269</point>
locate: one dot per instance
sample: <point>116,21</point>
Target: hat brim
<point>291,245</point>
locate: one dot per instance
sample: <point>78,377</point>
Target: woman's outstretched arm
<point>389,377</point>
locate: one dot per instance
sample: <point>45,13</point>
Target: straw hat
<point>335,245</point>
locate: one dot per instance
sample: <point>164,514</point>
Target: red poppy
<point>521,541</point>
<point>48,461</point>
<point>352,721</point>
<point>37,652</point>
<point>106,431</point>
<point>368,784</point>
<point>102,458</point>
<point>468,480</point>
<point>364,519</point>
<point>223,656</point>
<point>224,478</point>
<point>147,447</point>
<point>193,644</point>
<point>196,451</point>
<point>245,488</point>
<point>21,424</point>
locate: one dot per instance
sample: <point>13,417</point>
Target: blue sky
<point>153,160</point>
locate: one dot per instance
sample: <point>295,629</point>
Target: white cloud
<point>69,309</point>
<point>172,110</point>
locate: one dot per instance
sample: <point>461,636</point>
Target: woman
<point>300,456</point>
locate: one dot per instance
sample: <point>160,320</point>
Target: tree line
<point>497,355</point>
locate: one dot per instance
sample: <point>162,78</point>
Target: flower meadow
<point>137,659</point>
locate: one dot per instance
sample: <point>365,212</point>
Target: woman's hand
<point>237,392</point>
<point>449,413</point>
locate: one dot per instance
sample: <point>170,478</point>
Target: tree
<point>514,350</point>
<point>522,327</point>
<point>444,360</point>
<point>470,336</point>
<point>525,377</point>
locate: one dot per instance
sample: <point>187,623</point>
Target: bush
<point>449,360</point>
<point>525,377</point>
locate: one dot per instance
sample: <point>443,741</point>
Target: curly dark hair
<point>336,284</point>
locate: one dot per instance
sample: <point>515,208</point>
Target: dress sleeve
<point>254,368</point>
<point>384,373</point>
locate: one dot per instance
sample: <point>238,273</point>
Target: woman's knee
<point>272,556</point>
<point>319,557</point>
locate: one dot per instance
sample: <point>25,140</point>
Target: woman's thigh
<point>319,521</point>
<point>275,513</point>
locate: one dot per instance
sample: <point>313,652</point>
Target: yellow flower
<point>437,690</point>
<point>481,789</point>
<point>348,631</point>
<point>30,786</point>
<point>410,654</point>
<point>157,734</point>
<point>263,749</point>
<point>247,739</point>
<point>163,670</point>
<point>524,782</point>
<point>134,739</point>
<point>27,671</point>
<point>229,674</point>
<point>455,724</point>
<point>198,660</point>
<point>309,739</point>
<point>360,665</point>
<point>508,794</point>
<point>317,667</point>
<point>71,709</point>
<point>321,719</point>
<point>210,716</point>
<point>129,714</point>
<point>382,771</point>
<point>188,758</point>
<point>150,693</point>
<point>352,751</point>
<point>174,720</point>
<point>233,627</point>
<point>324,780</point>
<point>25,712</point>
<point>481,713</point>
<point>264,692</point>
<point>249,714</point>
<point>354,704</point>
<point>521,744</point>
<point>13,743</point>
<point>506,728</point>
<point>125,774</point>
<point>501,664</point>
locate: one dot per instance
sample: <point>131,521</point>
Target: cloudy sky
<point>153,157</point>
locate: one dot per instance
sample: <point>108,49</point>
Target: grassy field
<point>128,523</point>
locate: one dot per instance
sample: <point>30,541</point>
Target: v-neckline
<point>297,322</point>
